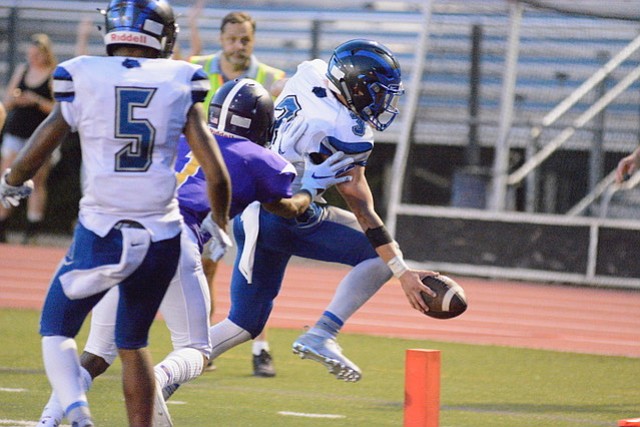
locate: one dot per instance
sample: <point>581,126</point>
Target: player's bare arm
<point>206,150</point>
<point>357,195</point>
<point>317,178</point>
<point>290,208</point>
<point>39,147</point>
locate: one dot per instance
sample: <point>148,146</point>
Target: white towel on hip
<point>79,284</point>
<point>251,225</point>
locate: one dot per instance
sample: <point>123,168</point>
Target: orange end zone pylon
<point>631,422</point>
<point>422,388</point>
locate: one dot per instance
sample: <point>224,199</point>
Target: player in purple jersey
<point>257,174</point>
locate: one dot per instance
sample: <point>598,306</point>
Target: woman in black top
<point>28,100</point>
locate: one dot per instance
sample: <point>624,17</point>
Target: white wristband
<point>398,266</point>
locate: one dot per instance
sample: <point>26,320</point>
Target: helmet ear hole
<point>368,76</point>
<point>243,108</point>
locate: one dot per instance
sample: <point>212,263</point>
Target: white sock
<point>62,365</point>
<point>54,409</point>
<point>87,381</point>
<point>225,335</point>
<point>358,286</point>
<point>258,346</point>
<point>179,367</point>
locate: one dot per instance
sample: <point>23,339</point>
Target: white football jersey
<point>129,113</point>
<point>331,126</point>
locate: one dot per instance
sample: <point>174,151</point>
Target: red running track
<point>553,317</point>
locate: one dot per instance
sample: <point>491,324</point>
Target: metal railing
<point>528,169</point>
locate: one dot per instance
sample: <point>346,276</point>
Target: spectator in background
<point>235,60</point>
<point>628,166</point>
<point>28,100</point>
<point>85,26</point>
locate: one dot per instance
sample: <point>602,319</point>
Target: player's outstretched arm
<point>316,178</point>
<point>291,207</point>
<point>357,195</point>
<point>207,152</point>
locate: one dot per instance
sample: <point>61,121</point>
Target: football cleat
<point>327,352</point>
<point>263,365</point>
<point>48,421</point>
<point>210,366</point>
<point>85,422</point>
<point>161,417</point>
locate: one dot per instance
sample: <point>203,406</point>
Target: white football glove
<point>318,178</point>
<point>220,241</point>
<point>10,195</point>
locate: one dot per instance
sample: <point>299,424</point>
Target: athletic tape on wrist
<point>398,266</point>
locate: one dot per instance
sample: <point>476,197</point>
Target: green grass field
<point>482,386</point>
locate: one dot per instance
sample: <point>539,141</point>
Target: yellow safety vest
<point>265,75</point>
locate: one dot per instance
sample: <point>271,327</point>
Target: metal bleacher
<point>557,54</point>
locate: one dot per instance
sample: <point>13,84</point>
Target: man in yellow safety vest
<point>236,59</point>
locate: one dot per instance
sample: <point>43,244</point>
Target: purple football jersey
<point>257,174</point>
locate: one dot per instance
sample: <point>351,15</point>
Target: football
<point>450,300</point>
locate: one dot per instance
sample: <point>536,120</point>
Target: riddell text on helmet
<point>130,37</point>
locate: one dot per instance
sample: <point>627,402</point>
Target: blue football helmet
<point>243,108</point>
<point>149,23</point>
<point>368,76</point>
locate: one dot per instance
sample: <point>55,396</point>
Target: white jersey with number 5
<point>331,125</point>
<point>129,113</point>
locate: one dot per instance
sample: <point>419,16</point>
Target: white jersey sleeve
<point>129,114</point>
<point>331,125</point>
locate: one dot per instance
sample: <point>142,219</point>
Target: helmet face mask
<point>149,23</point>
<point>243,108</point>
<point>368,76</point>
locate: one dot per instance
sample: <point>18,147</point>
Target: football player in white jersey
<point>129,109</point>
<point>339,102</point>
